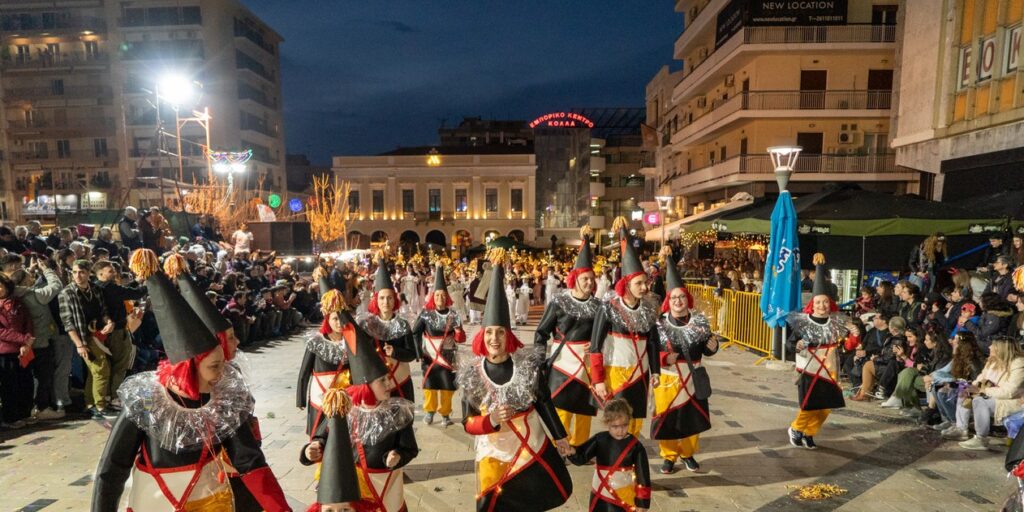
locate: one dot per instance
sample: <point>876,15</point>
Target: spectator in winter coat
<point>1002,282</point>
<point>16,342</point>
<point>37,301</point>
<point>995,318</point>
<point>128,227</point>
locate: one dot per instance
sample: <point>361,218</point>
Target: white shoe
<point>976,443</point>
<point>955,434</point>
<point>49,414</point>
<point>892,403</point>
<point>941,427</point>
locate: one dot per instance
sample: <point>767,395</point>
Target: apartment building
<point>761,74</point>
<point>78,128</point>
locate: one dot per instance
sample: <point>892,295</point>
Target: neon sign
<point>562,120</point>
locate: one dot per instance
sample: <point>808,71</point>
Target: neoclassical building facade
<point>451,200</point>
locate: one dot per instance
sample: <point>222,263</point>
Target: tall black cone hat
<point>176,320</point>
<point>820,284</point>
<point>496,308</point>
<point>439,282</point>
<point>382,279</point>
<point>365,363</point>
<point>339,482</point>
<point>325,285</point>
<point>672,280</point>
<point>585,258</point>
<point>211,318</point>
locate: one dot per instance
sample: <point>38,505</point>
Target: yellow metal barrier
<point>736,316</point>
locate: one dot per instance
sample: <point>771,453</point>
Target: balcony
<point>77,157</point>
<point>55,61</point>
<point>69,92</point>
<point>697,24</point>
<point>744,169</point>
<point>23,23</point>
<point>781,39</point>
<point>721,113</point>
<point>91,125</point>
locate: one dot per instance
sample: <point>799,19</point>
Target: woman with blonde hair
<point>994,395</point>
<point>928,256</point>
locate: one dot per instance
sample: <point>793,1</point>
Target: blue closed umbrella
<point>781,291</point>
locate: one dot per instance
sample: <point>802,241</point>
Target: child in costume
<point>622,477</point>
<point>325,361</point>
<point>437,330</point>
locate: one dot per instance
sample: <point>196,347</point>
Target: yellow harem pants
<point>438,400</point>
<point>578,430</point>
<point>675,449</point>
<point>616,376</point>
<point>809,422</point>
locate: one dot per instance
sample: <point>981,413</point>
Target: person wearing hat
<point>476,303</point>
<point>391,332</point>
<point>505,404</point>
<point>624,341</point>
<point>680,412</point>
<point>436,331</point>
<point>380,430</point>
<point>568,319</point>
<point>815,334</point>
<point>186,426</point>
<point>325,361</point>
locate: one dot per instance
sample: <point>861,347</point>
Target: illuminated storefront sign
<point>562,120</point>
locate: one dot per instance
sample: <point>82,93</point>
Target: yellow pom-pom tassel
<point>619,223</point>
<point>818,259</point>
<point>175,265</point>
<point>665,252</point>
<point>144,263</point>
<point>497,256</point>
<point>336,403</point>
<point>1018,278</point>
<point>586,231</point>
<point>332,302</point>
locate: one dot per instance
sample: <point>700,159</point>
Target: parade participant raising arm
<point>437,331</point>
<point>506,401</point>
<point>680,410</point>
<point>568,318</point>
<point>391,333</point>
<point>815,335</point>
<point>624,342</point>
<point>622,475</point>
<point>182,425</point>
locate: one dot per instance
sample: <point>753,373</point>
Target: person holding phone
<point>81,308</point>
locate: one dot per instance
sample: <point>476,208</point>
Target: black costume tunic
<point>394,332</point>
<point>155,443</point>
<point>627,341</point>
<point>324,361</point>
<point>678,414</point>
<point>818,365</point>
<point>534,475</point>
<point>434,333</point>
<point>619,463</point>
<point>570,321</point>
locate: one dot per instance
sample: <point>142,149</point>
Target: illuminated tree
<point>327,212</point>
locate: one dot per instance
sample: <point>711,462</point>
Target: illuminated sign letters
<point>562,120</point>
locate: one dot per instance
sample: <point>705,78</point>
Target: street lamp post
<point>663,202</point>
<point>174,89</point>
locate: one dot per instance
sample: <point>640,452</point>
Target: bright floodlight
<point>176,89</point>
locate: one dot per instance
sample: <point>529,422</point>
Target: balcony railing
<point>761,164</point>
<point>75,155</point>
<point>47,21</point>
<point>98,123</point>
<point>54,60</point>
<point>79,91</point>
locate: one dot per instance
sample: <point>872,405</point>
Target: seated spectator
<point>994,321</point>
<point>992,396</point>
<point>881,367</point>
<point>235,312</point>
<point>1001,282</point>
<point>865,303</point>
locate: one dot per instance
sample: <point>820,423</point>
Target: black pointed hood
<point>672,280</point>
<point>325,285</point>
<point>382,279</point>
<point>339,482</point>
<point>821,286</point>
<point>585,258</point>
<point>364,361</point>
<point>629,260</point>
<point>439,281</point>
<point>176,320</point>
<point>496,307</point>
<point>211,318</point>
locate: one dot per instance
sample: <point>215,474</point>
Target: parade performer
<point>391,333</point>
<point>476,304</point>
<point>680,410</point>
<point>569,319</point>
<point>325,362</point>
<point>437,330</point>
<point>380,429</point>
<point>523,300</point>
<point>624,341</point>
<point>622,476</point>
<point>186,427</point>
<point>505,403</point>
<point>816,334</point>
<point>411,288</point>
<point>457,294</point>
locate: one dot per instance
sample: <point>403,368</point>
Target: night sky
<point>363,77</point>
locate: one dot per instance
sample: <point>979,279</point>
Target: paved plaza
<point>882,460</point>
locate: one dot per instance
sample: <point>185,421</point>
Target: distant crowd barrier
<point>736,316</point>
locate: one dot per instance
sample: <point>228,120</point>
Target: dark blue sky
<point>363,77</point>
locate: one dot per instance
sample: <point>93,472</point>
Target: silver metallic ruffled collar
<point>625,319</point>
<point>370,425</point>
<point>176,428</point>
<point>384,330</point>
<point>696,331</point>
<point>327,349</point>
<point>832,331</point>
<point>518,393</point>
<point>578,309</point>
<point>439,321</point>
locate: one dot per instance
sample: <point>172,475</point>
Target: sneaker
<point>109,412</point>
<point>976,443</point>
<point>691,464</point>
<point>446,421</point>
<point>941,427</point>
<point>94,413</point>
<point>809,442</point>
<point>13,425</point>
<point>910,413</point>
<point>429,418</point>
<point>879,395</point>
<point>892,403</point>
<point>795,437</point>
<point>667,467</point>
<point>49,414</point>
<point>955,434</point>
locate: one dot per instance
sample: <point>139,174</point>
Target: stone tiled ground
<point>882,460</point>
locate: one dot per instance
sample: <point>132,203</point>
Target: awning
<point>739,200</point>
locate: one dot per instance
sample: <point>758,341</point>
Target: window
<point>53,49</point>
<point>378,201</point>
<point>517,199</point>
<point>353,201</point>
<point>434,200</point>
<point>100,146</point>
<point>92,50</point>
<point>723,154</point>
<point>63,148</point>
<point>57,87</point>
<point>408,200</point>
<point>461,203</point>
<point>491,200</point>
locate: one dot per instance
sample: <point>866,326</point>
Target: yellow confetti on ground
<point>816,492</point>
